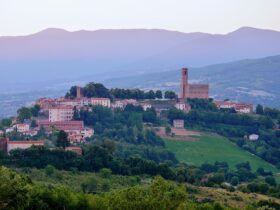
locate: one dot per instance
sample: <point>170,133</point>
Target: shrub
<point>49,170</point>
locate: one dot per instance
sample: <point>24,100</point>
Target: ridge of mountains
<point>59,55</point>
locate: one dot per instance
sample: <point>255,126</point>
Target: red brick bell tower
<point>184,84</point>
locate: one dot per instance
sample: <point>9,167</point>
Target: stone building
<point>192,90</point>
<point>178,123</point>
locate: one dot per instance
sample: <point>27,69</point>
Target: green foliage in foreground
<point>212,149</point>
<point>18,192</point>
<point>82,181</point>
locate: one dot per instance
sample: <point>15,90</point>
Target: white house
<point>22,127</point>
<point>253,137</point>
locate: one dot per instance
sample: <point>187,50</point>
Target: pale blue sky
<point>18,17</point>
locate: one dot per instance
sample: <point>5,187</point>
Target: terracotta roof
<point>100,98</point>
<point>39,142</point>
<point>72,122</point>
<point>62,107</point>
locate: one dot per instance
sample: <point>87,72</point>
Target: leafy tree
<point>159,94</point>
<point>160,195</point>
<point>170,95</point>
<point>62,139</point>
<point>90,185</point>
<point>217,178</point>
<point>95,90</point>
<point>234,181</point>
<point>150,94</point>
<point>209,168</point>
<point>150,116</point>
<point>245,165</point>
<point>105,186</point>
<point>6,122</point>
<point>202,104</point>
<point>49,170</point>
<point>270,180</point>
<point>174,113</point>
<point>24,113</point>
<point>167,130</point>
<point>262,172</point>
<point>13,189</point>
<point>97,157</point>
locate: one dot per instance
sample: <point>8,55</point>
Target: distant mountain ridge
<point>55,54</point>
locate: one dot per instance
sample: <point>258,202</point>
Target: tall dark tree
<point>62,139</point>
<point>35,110</point>
<point>72,93</point>
<point>76,115</point>
<point>259,109</point>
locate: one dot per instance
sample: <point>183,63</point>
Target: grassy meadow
<point>214,148</point>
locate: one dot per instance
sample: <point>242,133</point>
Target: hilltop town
<point>59,113</point>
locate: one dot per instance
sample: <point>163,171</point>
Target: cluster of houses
<point>237,106</point>
<point>58,114</point>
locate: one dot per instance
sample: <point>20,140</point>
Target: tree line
<point>99,90</point>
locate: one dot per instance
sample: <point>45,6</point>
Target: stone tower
<point>79,92</point>
<point>184,84</point>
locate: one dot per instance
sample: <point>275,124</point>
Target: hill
<point>214,148</point>
<point>250,80</point>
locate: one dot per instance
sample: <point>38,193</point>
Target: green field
<point>214,148</point>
